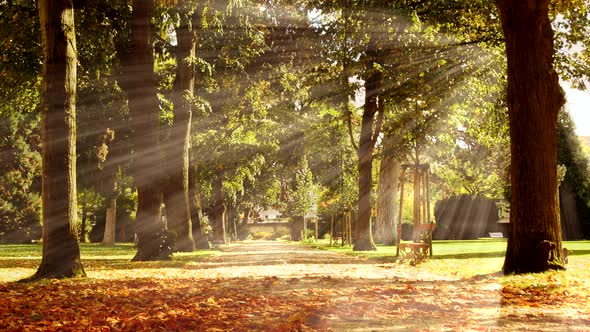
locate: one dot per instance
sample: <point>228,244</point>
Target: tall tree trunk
<point>177,200</point>
<point>232,218</point>
<point>219,230</point>
<point>389,172</point>
<point>196,208</point>
<point>83,226</point>
<point>61,252</point>
<point>139,83</point>
<point>362,228</point>
<point>111,223</point>
<point>534,100</point>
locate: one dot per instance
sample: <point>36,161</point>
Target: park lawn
<point>18,261</point>
<point>469,259</point>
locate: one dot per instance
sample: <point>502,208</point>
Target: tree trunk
<point>232,218</point>
<point>110,224</point>
<point>362,228</point>
<point>61,252</point>
<point>177,200</point>
<point>534,100</point>
<point>247,211</point>
<point>316,230</point>
<point>387,200</point>
<point>196,209</point>
<point>331,229</point>
<point>139,83</point>
<point>218,210</point>
<point>297,228</point>
<point>83,226</point>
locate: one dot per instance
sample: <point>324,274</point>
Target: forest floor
<point>279,286</point>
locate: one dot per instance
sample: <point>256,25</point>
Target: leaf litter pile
<point>285,287</point>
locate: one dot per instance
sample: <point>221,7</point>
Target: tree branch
<point>349,123</point>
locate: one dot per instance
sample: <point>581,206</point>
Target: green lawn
<point>18,261</point>
<point>466,258</point>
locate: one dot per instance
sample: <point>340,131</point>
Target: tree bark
<point>297,228</point>
<point>196,209</point>
<point>177,200</point>
<point>362,229</point>
<point>139,83</point>
<point>219,231</point>
<point>534,100</point>
<point>387,200</point>
<point>83,226</point>
<point>232,218</point>
<point>61,252</point>
<point>110,224</point>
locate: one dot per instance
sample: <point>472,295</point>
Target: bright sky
<point>578,104</point>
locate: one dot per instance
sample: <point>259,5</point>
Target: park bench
<point>422,244</point>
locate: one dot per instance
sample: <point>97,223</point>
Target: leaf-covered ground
<point>275,286</point>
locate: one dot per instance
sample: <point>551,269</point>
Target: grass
<point>18,261</point>
<point>473,258</point>
<point>453,259</point>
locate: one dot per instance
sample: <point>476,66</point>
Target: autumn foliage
<point>282,287</point>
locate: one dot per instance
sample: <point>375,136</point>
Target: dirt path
<point>277,286</point>
<point>283,259</point>
<point>354,294</point>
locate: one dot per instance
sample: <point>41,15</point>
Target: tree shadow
<point>319,302</point>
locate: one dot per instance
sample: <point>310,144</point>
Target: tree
<point>389,171</point>
<point>471,154</point>
<point>20,166</point>
<point>138,81</point>
<point>534,100</point>
<point>89,203</point>
<point>176,195</point>
<point>576,182</point>
<point>370,128</point>
<point>61,252</point>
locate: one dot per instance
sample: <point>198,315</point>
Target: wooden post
<point>401,209</point>
<point>416,209</point>
<point>423,220</point>
<point>428,195</point>
<point>349,219</point>
<point>343,227</point>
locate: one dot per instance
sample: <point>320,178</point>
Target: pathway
<point>283,259</point>
<point>354,294</point>
<point>278,286</point>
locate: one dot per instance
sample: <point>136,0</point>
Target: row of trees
<point>219,107</point>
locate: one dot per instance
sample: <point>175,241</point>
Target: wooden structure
<point>345,232</point>
<point>423,227</point>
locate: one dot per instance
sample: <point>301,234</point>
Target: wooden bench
<point>422,245</point>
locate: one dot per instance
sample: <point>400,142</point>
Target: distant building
<point>269,214</point>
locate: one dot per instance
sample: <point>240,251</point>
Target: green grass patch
<point>469,258</point>
<point>21,260</point>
